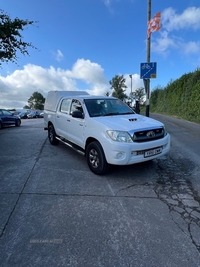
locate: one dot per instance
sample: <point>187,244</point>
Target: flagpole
<point>147,81</point>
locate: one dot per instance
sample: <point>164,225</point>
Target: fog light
<point>119,155</point>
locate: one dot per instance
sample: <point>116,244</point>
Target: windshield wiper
<point>117,113</point>
<point>128,113</point>
<point>111,113</point>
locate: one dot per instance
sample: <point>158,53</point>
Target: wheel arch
<point>52,134</point>
<point>49,124</point>
<point>90,140</point>
<point>97,162</point>
<point>18,122</point>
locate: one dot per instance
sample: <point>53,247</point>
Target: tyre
<point>96,159</point>
<point>52,135</point>
<point>1,126</point>
<point>17,123</point>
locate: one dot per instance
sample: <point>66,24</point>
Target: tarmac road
<point>55,212</point>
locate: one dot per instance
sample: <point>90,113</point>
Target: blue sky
<point>83,44</point>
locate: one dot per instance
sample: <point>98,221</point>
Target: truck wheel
<point>96,159</point>
<point>52,135</point>
<point>17,123</point>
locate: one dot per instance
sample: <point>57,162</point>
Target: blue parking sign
<point>148,70</point>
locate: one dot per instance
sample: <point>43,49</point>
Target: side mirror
<point>77,114</point>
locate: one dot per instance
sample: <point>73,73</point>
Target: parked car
<point>33,114</point>
<point>41,114</point>
<point>23,115</point>
<point>103,129</point>
<point>7,118</point>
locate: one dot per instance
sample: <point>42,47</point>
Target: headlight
<point>119,136</point>
<point>164,131</point>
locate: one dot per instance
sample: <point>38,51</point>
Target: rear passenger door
<point>62,117</point>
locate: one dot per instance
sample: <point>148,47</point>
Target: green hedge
<point>180,98</point>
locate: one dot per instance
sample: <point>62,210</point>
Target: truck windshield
<point>107,107</point>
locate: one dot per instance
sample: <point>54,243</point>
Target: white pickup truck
<point>104,129</point>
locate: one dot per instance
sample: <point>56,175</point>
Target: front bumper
<point>118,153</point>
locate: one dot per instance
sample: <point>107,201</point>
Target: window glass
<point>65,105</point>
<point>76,105</point>
<point>107,107</point>
<point>5,112</point>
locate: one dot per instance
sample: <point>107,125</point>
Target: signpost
<point>148,70</point>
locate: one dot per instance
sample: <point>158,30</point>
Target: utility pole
<point>147,81</point>
<point>131,89</point>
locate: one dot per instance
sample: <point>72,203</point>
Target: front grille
<point>148,135</point>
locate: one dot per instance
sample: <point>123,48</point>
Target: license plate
<point>152,152</point>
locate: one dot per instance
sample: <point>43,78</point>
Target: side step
<point>73,146</point>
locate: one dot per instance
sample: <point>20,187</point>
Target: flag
<point>154,24</point>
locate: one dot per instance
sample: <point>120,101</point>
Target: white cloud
<point>163,43</point>
<point>190,18</point>
<point>172,24</point>
<point>107,2</point>
<point>58,55</point>
<point>16,88</point>
<point>136,82</point>
<point>191,47</point>
<point>88,71</point>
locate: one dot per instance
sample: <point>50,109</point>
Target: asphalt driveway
<point>55,212</point>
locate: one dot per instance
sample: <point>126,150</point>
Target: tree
<point>36,101</point>
<point>11,39</point>
<point>107,94</point>
<point>139,94</point>
<point>118,85</point>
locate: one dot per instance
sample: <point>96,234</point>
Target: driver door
<point>76,126</point>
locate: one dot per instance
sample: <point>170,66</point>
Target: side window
<point>65,106</point>
<point>76,105</point>
<point>5,112</point>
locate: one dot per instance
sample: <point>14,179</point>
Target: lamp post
<point>147,81</point>
<point>130,75</point>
